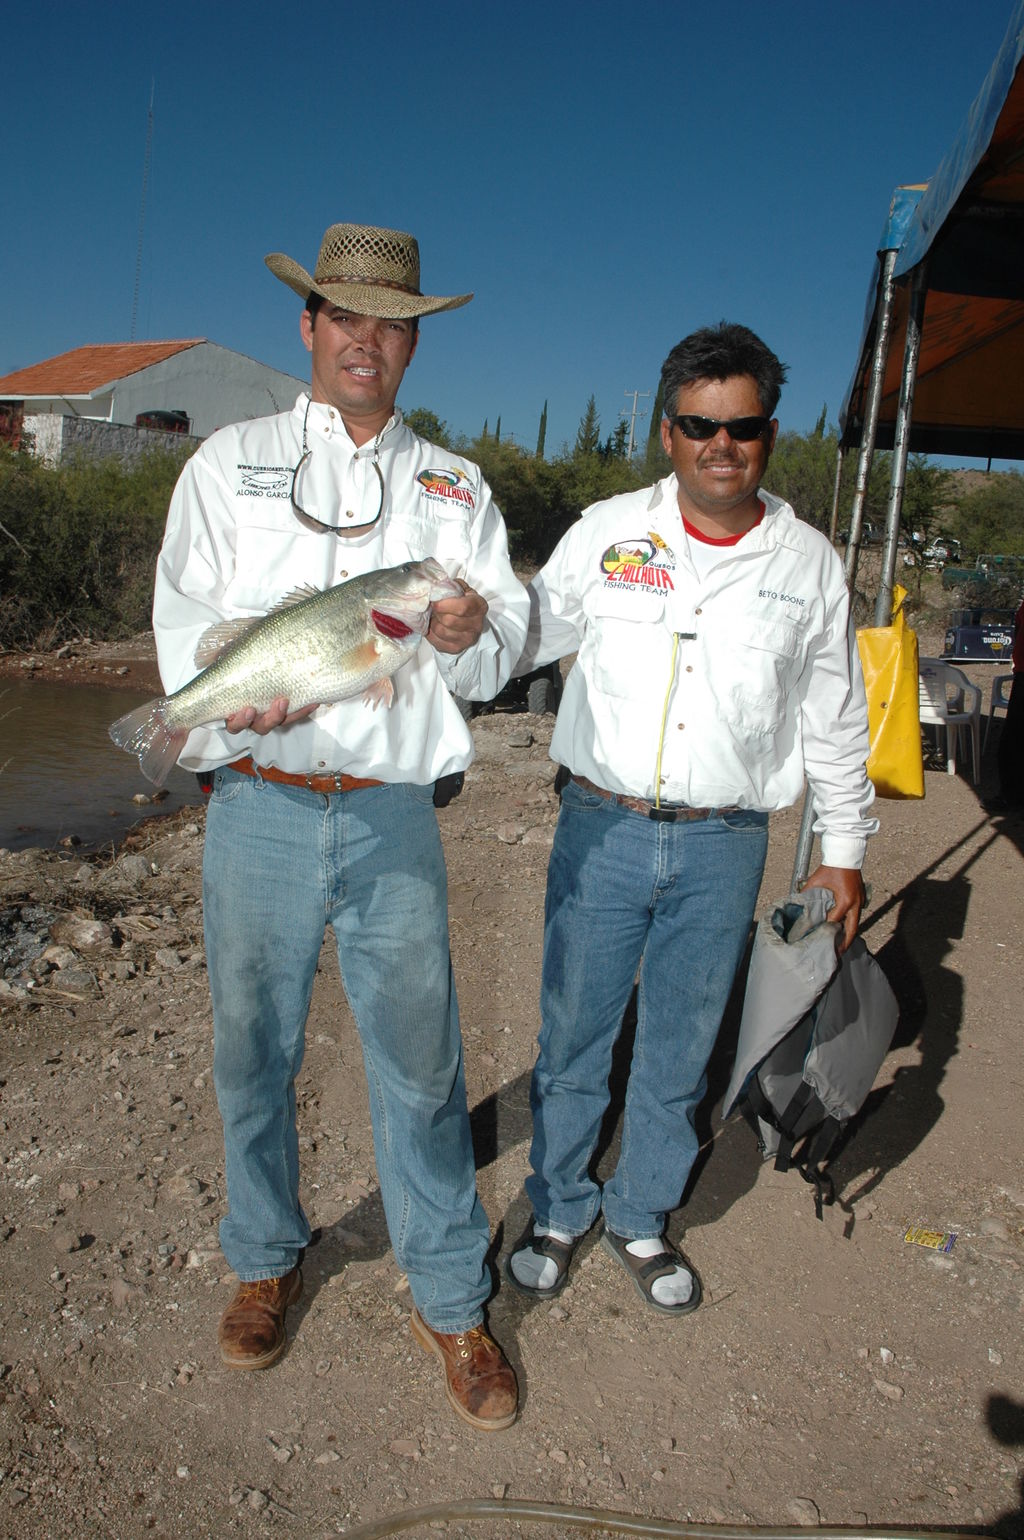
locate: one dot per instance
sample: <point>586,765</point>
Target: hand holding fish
<point>249,720</point>
<point>457,623</point>
<point>312,648</point>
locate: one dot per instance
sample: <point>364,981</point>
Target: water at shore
<point>60,774</point>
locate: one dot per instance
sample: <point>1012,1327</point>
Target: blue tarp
<point>967,225</point>
<point>964,169</point>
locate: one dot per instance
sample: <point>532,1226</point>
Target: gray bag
<point>814,1031</point>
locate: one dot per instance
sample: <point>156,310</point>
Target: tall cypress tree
<point>657,413</point>
<point>588,434</point>
<point>542,432</point>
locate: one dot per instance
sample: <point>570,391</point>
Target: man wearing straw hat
<point>329,819</point>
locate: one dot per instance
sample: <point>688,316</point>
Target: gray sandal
<point>645,1270</point>
<point>559,1252</point>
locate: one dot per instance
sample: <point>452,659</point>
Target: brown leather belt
<point>326,784</point>
<point>665,813</point>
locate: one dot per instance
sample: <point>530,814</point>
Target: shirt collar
<point>325,423</point>
<point>665,496</point>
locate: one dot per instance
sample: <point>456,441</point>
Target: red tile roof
<point>84,370</point>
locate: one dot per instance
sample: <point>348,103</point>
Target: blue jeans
<point>674,901</point>
<point>280,865</point>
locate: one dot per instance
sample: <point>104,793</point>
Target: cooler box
<point>980,644</point>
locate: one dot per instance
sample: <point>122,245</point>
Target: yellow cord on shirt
<point>664,719</point>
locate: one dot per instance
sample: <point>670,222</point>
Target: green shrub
<point>78,546</point>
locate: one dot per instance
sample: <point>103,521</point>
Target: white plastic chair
<point>999,701</point>
<point>948,699</point>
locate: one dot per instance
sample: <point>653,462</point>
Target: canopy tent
<point>940,368</point>
<point>960,241</point>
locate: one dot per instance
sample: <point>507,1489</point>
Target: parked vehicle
<point>166,421</point>
<point>998,565</point>
<point>942,553</point>
<point>538,692</point>
<point>991,570</point>
<point>870,534</point>
<point>935,556</point>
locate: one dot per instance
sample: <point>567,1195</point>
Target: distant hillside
<point>967,481</point>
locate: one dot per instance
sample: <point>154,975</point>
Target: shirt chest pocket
<point>269,565</point>
<point>429,532</point>
<point>626,650</point>
<point>758,664</point>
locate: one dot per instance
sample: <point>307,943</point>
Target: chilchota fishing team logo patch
<point>639,563</point>
<point>451,485</point>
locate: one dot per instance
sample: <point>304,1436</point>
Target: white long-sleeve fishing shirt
<point>233,546</point>
<point>719,690</point>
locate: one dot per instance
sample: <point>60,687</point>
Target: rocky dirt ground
<point>836,1375</point>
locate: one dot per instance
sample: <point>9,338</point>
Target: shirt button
<point>698,612</point>
<point>349,514</point>
<point>680,726</point>
<point>321,764</point>
<point>689,668</point>
<point>343,574</point>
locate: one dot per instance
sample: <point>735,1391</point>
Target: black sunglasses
<point>742,429</point>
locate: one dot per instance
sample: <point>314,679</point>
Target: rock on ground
<point>835,1375</point>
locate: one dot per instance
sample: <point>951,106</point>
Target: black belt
<point>660,813</point>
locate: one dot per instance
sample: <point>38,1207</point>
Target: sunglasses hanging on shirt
<point>309,520</point>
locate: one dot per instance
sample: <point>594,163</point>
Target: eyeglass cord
<point>309,520</point>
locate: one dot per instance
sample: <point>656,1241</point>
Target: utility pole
<point>633,413</point>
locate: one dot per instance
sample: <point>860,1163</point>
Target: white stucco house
<point>199,385</point>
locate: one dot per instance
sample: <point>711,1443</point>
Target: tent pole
<point>804,841</point>
<point>805,838</point>
<point>901,442</point>
<point>874,403</point>
<point>834,521</point>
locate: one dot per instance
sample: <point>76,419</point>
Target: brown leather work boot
<point>480,1383</point>
<point>251,1333</point>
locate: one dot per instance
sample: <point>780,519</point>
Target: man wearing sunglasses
<point>715,672</point>
<point>329,819</point>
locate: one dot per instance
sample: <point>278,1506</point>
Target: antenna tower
<point>142,210</point>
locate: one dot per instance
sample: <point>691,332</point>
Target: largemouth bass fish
<point>315,646</point>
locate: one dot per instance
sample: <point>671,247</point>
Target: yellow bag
<point>888,656</point>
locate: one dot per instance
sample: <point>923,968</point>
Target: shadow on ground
<point>894,1120</point>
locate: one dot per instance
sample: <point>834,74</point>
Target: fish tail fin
<point>145,732</point>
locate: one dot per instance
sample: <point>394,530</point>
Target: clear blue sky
<point>604,176</point>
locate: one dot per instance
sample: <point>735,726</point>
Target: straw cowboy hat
<point>371,271</point>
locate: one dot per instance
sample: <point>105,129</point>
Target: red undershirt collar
<point>698,534</point>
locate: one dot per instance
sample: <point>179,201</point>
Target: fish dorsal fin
<point>216,639</point>
<point>297,596</point>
